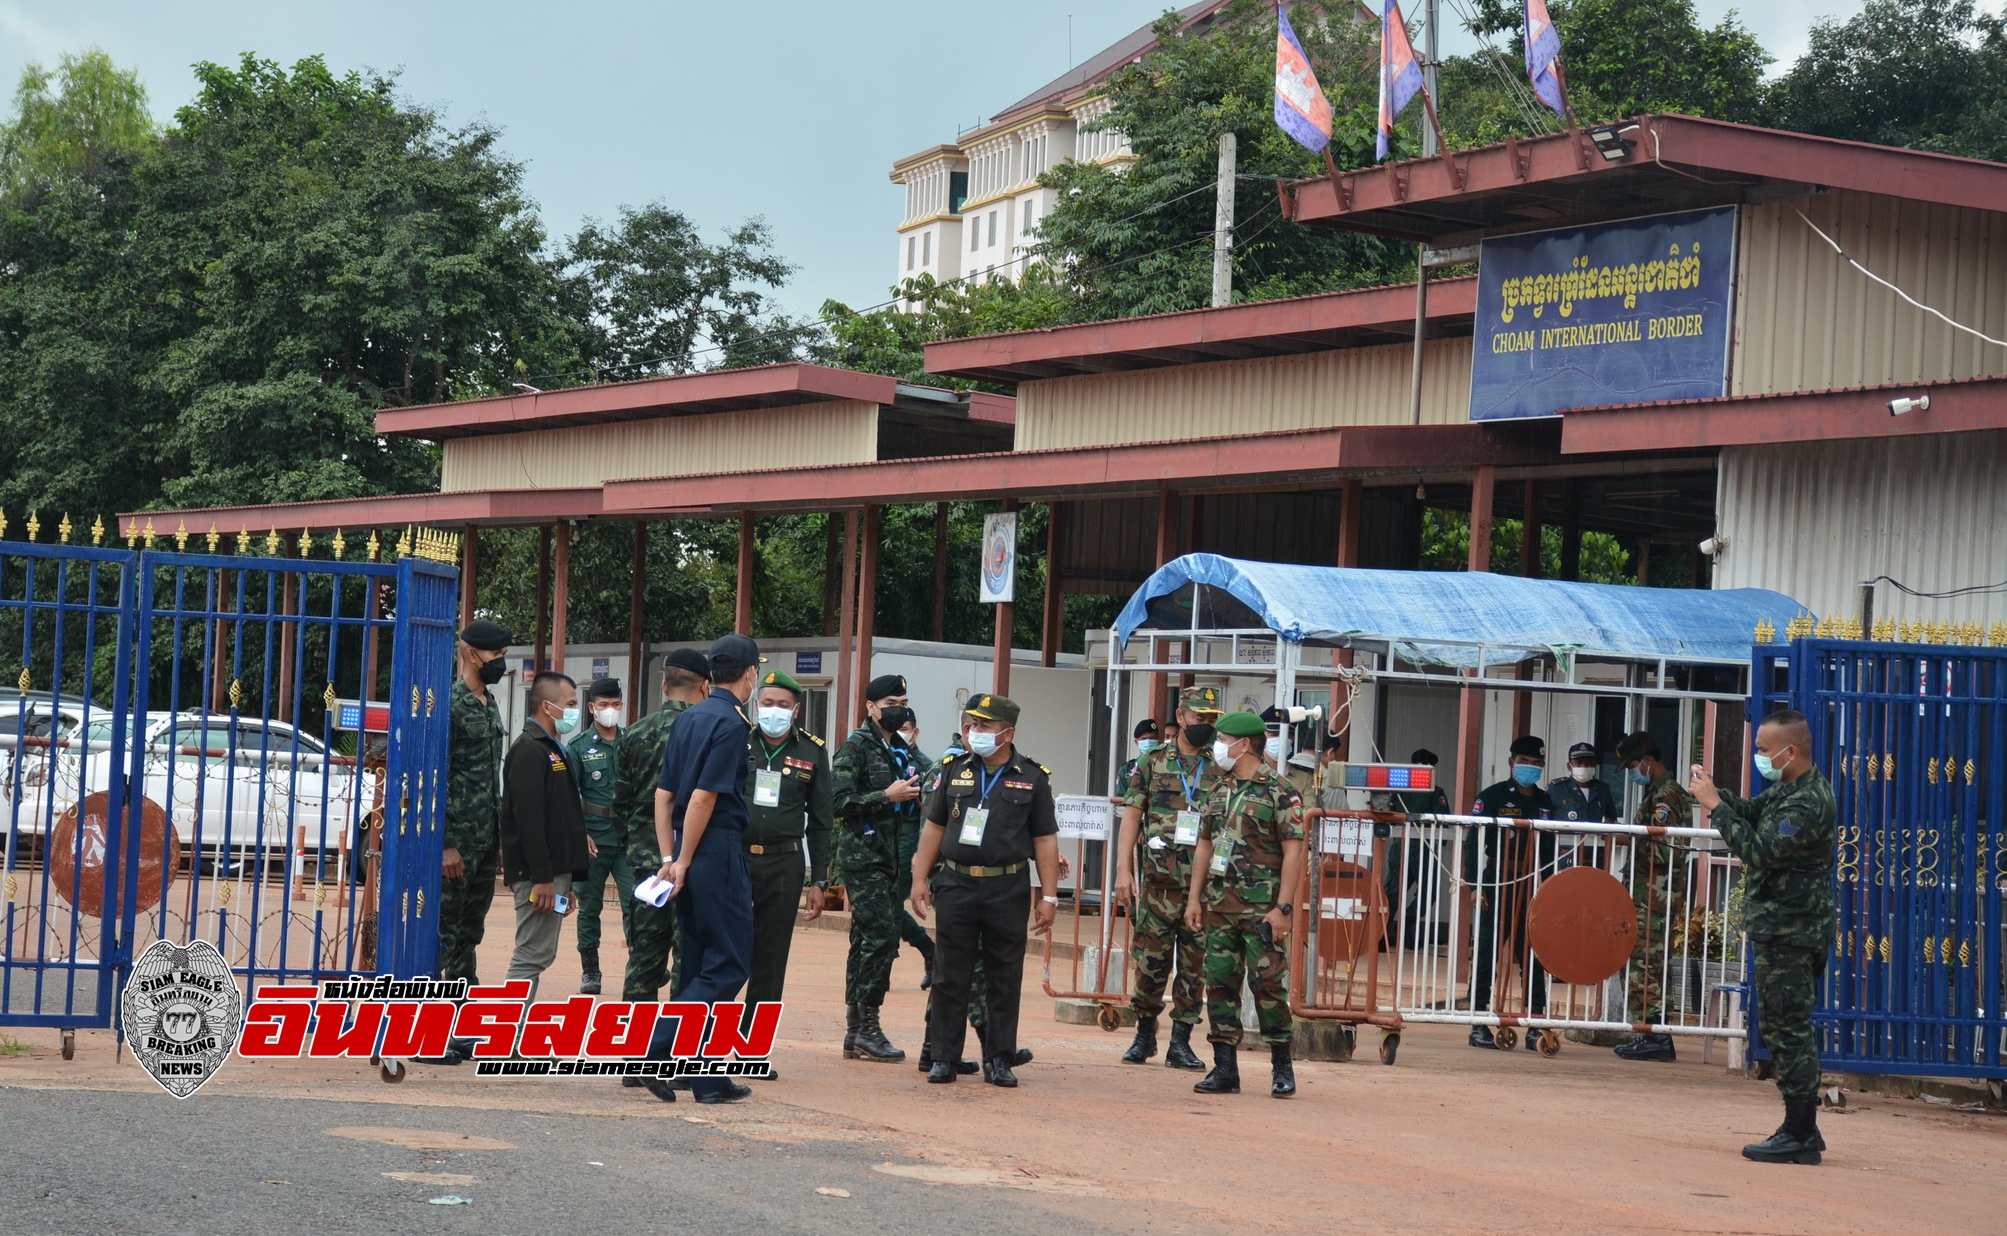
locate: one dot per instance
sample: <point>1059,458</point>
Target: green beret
<point>992,708</point>
<point>775,678</point>
<point>1241,725</point>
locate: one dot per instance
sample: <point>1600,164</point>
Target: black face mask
<point>1200,735</point>
<point>894,718</point>
<point>494,671</point>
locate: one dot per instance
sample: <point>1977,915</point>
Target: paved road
<point>80,1163</point>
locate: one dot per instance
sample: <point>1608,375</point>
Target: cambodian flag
<point>1543,48</point>
<point>1301,109</point>
<point>1400,72</point>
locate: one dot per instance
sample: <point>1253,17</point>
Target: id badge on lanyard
<point>766,787</point>
<point>1186,830</point>
<point>974,821</point>
<point>1222,856</point>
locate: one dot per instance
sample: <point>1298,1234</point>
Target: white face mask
<point>1221,748</point>
<point>776,721</point>
<point>1273,747</point>
<point>608,717</point>
<point>982,743</point>
<point>1583,773</point>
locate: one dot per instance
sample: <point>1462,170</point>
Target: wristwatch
<point>823,885</point>
<point>1051,901</point>
<point>1287,907</point>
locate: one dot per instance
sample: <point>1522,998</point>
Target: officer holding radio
<point>543,825</point>
<point>991,818</point>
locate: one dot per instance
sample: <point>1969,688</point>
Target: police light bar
<point>371,717</point>
<point>1389,777</point>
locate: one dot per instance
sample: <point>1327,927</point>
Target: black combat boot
<point>1283,1085</point>
<point>871,1043</point>
<point>1179,1054</point>
<point>941,1073</point>
<point>997,1073</point>
<point>1647,1047</point>
<point>588,962</point>
<point>850,1019</point>
<point>927,960</point>
<point>1018,1059</point>
<point>1145,1045</point>
<point>1225,1075</point>
<point>1797,1140</point>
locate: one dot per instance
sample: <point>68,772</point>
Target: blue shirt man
<point>700,813</point>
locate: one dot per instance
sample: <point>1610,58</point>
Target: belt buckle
<point>979,871</point>
<point>756,849</point>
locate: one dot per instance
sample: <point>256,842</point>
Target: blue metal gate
<point>244,749</point>
<point>1914,739</point>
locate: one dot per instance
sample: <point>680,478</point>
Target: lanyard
<point>771,751</point>
<point>1190,783</point>
<point>988,783</point>
<point>1235,799</point>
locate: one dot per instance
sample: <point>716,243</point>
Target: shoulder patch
<point>1786,828</point>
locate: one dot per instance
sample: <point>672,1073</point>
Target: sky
<point>790,110</point>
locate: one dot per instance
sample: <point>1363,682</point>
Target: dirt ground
<point>1449,1139</point>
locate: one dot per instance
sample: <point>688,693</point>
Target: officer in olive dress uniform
<point>792,811</point>
<point>595,759</point>
<point>990,820</point>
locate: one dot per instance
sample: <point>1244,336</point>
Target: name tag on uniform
<point>1186,830</point>
<point>766,787</point>
<point>974,821</point>
<point>1221,857</point>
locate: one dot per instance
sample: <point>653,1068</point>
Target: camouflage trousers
<point>1648,954</point>
<point>1165,953</point>
<point>872,890</point>
<point>1234,951</point>
<point>1787,988</point>
<point>463,913</point>
<point>651,937</point>
<point>909,928</point>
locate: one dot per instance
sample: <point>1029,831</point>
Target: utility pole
<point>1223,224</point>
<point>1430,48</point>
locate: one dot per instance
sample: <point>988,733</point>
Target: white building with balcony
<point>973,205</point>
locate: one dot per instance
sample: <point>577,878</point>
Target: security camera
<point>1298,716</point>
<point>1902,407</point>
<point>1713,546</point>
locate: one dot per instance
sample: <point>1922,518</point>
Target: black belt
<point>775,847</point>
<point>604,813</point>
<point>966,870</point>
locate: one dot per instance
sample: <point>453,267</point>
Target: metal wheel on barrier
<point>1550,1043</point>
<point>392,1071</point>
<point>1505,1038</point>
<point>69,1045</point>
<point>1390,1045</point>
<point>1832,1096</point>
<point>1109,1018</point>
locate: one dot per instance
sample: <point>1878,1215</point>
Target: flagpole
<point>1561,80</point>
<point>1436,125</point>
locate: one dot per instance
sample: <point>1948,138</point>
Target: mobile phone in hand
<point>562,905</point>
<point>1268,933</point>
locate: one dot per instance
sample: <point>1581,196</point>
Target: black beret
<point>1146,727</point>
<point>1527,744</point>
<point>1423,755</point>
<point>689,659</point>
<point>487,636</point>
<point>603,689</point>
<point>1272,715</point>
<point>884,685</point>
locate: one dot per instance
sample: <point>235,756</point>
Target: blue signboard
<point>1627,312</point>
<point>808,663</point>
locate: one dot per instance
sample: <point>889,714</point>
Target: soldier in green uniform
<point>1785,837</point>
<point>1658,897</point>
<point>1147,738</point>
<point>1246,867</point>
<point>1161,801</point>
<point>1502,880</point>
<point>596,761</point>
<point>473,844</point>
<point>875,785</point>
<point>790,808</point>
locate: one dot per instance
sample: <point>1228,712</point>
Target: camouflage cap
<point>992,708</point>
<point>1241,725</point>
<point>1200,699</point>
<point>1636,746</point>
<point>775,678</point>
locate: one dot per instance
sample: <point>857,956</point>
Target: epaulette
<point>814,739</point>
<point>1047,771</point>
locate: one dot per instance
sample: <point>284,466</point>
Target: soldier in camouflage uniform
<point>473,799</point>
<point>1785,837</point>
<point>686,680</point>
<point>874,789</point>
<point>1162,798</point>
<point>1658,894</point>
<point>1248,863</point>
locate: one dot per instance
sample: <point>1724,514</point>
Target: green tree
<point>1930,74</point>
<point>1602,557</point>
<point>891,339</point>
<point>69,123</point>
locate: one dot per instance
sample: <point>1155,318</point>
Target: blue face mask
<point>983,744</point>
<point>568,721</point>
<point>1768,767</point>
<point>1145,746</point>
<point>1638,776</point>
<point>1526,774</point>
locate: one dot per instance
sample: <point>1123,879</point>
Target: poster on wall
<point>999,571</point>
<point>1626,312</point>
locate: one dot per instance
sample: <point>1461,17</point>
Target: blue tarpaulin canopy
<point>1438,617</point>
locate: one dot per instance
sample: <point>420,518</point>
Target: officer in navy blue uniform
<point>1582,795</point>
<point>700,818</point>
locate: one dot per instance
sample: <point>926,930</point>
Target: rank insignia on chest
<point>965,779</point>
<point>1017,785</point>
<point>557,765</point>
<point>804,765</point>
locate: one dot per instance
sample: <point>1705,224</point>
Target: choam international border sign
<point>1625,312</point>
